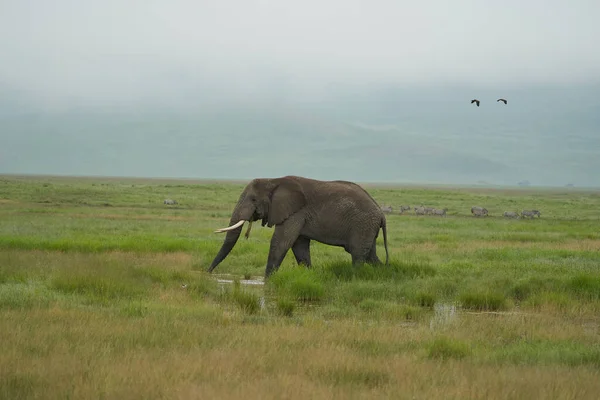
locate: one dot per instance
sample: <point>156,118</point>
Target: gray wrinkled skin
<point>337,213</point>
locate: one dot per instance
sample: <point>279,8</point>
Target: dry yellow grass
<point>56,353</point>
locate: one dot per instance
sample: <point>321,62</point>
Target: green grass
<point>298,283</point>
<point>285,306</point>
<point>444,348</point>
<point>483,301</point>
<point>104,293</point>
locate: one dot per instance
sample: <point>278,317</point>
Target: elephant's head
<point>269,200</point>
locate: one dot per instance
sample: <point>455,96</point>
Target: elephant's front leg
<point>283,239</point>
<point>301,250</point>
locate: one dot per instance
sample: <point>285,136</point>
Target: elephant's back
<point>348,192</point>
<point>346,198</point>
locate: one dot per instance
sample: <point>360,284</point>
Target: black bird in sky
<point>475,101</point>
<point>502,100</point>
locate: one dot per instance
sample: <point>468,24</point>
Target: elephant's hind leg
<point>362,246</point>
<point>301,250</point>
<point>372,258</point>
<point>360,254</point>
<point>359,258</point>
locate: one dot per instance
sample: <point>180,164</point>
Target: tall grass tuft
<point>444,348</point>
<point>425,299</point>
<point>585,286</point>
<point>23,296</point>
<point>96,287</point>
<point>246,300</point>
<point>300,283</point>
<point>395,271</point>
<point>483,301</point>
<point>286,307</point>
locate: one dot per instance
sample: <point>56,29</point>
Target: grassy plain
<point>92,304</point>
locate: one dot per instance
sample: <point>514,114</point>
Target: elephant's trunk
<point>233,234</point>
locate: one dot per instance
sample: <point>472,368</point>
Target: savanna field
<point>104,294</point>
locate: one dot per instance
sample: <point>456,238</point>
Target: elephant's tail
<point>384,228</point>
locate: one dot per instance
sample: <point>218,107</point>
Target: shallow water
<point>443,314</point>
<point>222,278</point>
<point>242,281</point>
<point>256,284</point>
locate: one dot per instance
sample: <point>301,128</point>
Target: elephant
<point>336,213</point>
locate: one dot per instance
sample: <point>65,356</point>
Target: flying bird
<point>475,101</point>
<point>502,100</point>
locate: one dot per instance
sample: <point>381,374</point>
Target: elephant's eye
<point>253,199</point>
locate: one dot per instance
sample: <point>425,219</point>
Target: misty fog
<point>373,91</point>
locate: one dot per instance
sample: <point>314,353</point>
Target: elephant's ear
<point>286,199</point>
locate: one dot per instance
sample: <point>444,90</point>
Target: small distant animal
<point>479,211</point>
<point>441,213</point>
<point>504,100</point>
<point>169,202</point>
<point>184,286</point>
<point>429,210</point>
<point>386,209</point>
<point>530,213</point>
<point>511,214</point>
<point>475,101</point>
<point>404,208</point>
<point>420,210</point>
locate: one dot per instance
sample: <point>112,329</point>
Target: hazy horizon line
<point>246,180</point>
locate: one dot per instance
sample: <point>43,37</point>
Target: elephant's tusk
<point>248,230</point>
<point>232,227</point>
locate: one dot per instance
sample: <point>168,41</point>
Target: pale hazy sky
<point>78,51</point>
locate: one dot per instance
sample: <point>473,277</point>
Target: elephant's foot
<point>369,259</point>
<point>307,264</point>
<point>374,260</point>
<point>358,259</point>
<point>270,270</point>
